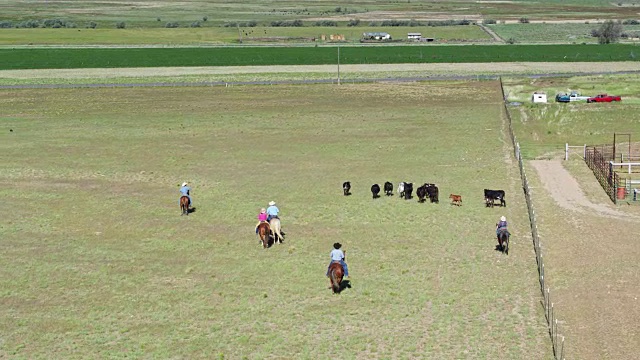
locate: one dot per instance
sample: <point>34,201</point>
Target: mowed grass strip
<point>46,58</point>
<point>99,263</point>
<point>224,35</point>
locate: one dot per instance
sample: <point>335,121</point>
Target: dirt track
<point>566,192</point>
<point>591,253</point>
<point>445,68</point>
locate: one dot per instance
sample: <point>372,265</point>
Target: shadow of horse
<point>344,284</point>
<point>192,210</point>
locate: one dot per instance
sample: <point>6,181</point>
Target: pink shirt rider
<point>262,217</point>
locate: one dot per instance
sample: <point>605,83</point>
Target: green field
<point>52,58</point>
<point>226,35</point>
<point>98,263</point>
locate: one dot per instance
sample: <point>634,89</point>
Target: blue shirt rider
<point>184,190</point>
<point>338,255</point>
<point>272,211</point>
<point>502,225</point>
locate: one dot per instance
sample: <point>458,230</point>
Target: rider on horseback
<point>501,225</point>
<point>272,212</point>
<point>337,255</point>
<point>184,190</point>
<point>262,217</point>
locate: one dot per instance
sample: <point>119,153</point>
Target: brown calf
<point>456,199</point>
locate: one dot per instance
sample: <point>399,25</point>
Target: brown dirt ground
<point>463,68</point>
<point>591,251</point>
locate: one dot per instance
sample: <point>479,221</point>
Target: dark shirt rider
<point>501,225</point>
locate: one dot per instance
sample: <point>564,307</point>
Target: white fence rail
<point>627,164</point>
<point>567,147</point>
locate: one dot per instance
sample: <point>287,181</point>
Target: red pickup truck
<point>603,98</point>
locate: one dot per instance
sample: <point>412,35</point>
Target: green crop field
<point>52,58</point>
<point>98,263</point>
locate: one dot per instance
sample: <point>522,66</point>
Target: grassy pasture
<point>147,13</point>
<point>97,262</point>
<point>543,129</point>
<point>223,35</point>
<point>56,58</point>
<point>553,33</point>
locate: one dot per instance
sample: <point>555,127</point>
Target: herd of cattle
<point>427,190</point>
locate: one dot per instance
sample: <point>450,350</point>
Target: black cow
<point>433,192</point>
<point>375,190</point>
<point>388,189</point>
<point>408,190</point>
<point>422,193</point>
<point>346,187</point>
<point>491,195</point>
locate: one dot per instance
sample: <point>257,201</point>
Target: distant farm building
<point>539,97</point>
<point>376,36</point>
<point>418,37</point>
<point>332,37</point>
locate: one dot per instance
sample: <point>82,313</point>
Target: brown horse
<point>263,231</point>
<point>336,273</point>
<point>503,241</point>
<point>275,230</point>
<point>184,205</point>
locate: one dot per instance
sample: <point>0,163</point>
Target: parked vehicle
<point>603,98</point>
<point>574,96</point>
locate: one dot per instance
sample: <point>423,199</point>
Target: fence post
<point>566,151</point>
<point>556,335</point>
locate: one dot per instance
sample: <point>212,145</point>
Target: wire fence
<point>557,339</point>
<point>598,161</point>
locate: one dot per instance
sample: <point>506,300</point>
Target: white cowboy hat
<point>184,183</point>
<point>272,203</point>
<point>502,218</point>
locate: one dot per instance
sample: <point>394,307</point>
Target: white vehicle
<point>574,96</point>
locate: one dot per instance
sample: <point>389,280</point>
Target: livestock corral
<point>98,262</point>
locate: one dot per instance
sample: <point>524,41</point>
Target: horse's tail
<point>336,277</point>
<point>335,281</point>
<point>263,230</point>
<point>276,230</point>
<point>184,204</point>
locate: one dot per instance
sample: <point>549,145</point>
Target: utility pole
<point>239,33</point>
<point>338,64</point>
